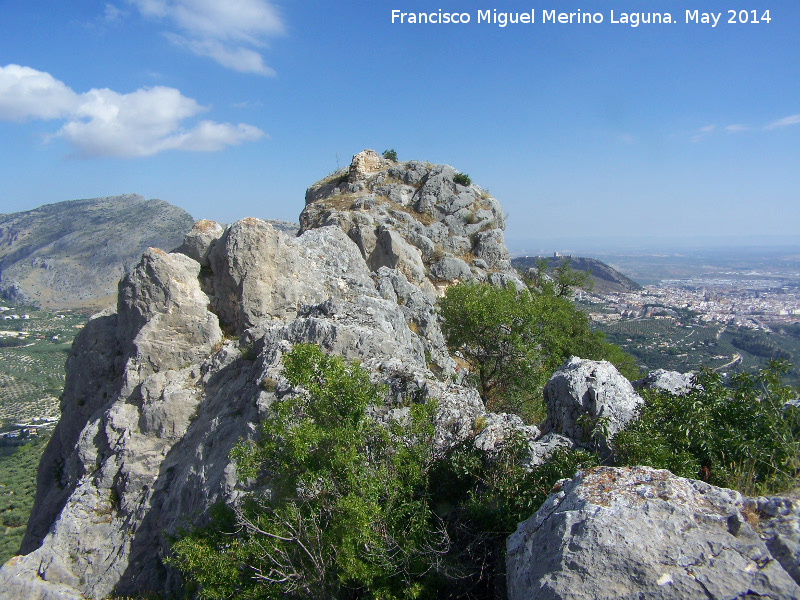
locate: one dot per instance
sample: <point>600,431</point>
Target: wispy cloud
<point>232,33</point>
<point>703,132</point>
<point>113,13</point>
<point>731,129</point>
<point>102,122</point>
<point>785,122</point>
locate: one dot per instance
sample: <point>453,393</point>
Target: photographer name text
<point>547,17</point>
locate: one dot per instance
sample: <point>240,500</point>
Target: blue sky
<point>598,134</point>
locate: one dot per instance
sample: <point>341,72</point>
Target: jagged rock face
<point>259,273</point>
<point>640,533</point>
<point>778,524</point>
<point>157,395</point>
<point>414,218</point>
<point>588,390</point>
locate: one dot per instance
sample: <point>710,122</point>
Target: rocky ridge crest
<point>162,386</point>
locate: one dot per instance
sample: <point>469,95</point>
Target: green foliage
<point>342,510</point>
<point>514,340</point>
<point>744,435</point>
<point>17,490</point>
<point>390,155</point>
<point>462,179</point>
<point>482,497</point>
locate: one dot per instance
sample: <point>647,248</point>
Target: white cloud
<point>785,122</point>
<point>26,93</point>
<point>102,122</point>
<point>703,132</point>
<point>228,32</point>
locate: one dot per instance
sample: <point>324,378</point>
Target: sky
<point>595,135</point>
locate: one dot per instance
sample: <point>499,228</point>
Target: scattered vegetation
<point>462,179</point>
<point>340,509</point>
<point>346,507</point>
<point>514,340</point>
<point>745,435</point>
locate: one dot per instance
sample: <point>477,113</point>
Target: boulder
<point>585,394</point>
<point>641,533</point>
<point>451,269</point>
<point>674,382</point>
<point>197,243</point>
<point>498,428</point>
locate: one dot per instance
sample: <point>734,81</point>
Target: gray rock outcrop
<point>777,521</point>
<point>662,380</point>
<point>581,393</point>
<point>413,217</point>
<point>641,533</point>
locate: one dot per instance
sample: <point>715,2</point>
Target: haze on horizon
<point>601,136</point>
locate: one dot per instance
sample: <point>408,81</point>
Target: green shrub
<point>462,179</point>
<point>481,498</point>
<point>390,155</point>
<point>743,436</point>
<point>343,510</point>
<point>514,340</point>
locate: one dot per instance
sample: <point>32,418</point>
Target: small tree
<point>390,155</point>
<point>514,340</point>
<point>560,281</point>
<point>343,511</point>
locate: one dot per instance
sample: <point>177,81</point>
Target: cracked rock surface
<point>642,533</point>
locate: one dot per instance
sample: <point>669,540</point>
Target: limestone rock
<point>588,390</point>
<point>451,269</point>
<point>541,449</point>
<point>159,390</point>
<point>640,533</point>
<point>259,273</point>
<point>498,428</point>
<point>673,382</point>
<point>197,243</point>
<point>778,524</point>
<point>387,208</point>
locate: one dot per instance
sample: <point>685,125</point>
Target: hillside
<point>606,279</point>
<point>72,254</point>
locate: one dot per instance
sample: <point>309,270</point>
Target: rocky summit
<point>160,387</point>
<point>72,254</point>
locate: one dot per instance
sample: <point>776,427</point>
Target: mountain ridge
<point>71,254</point>
<point>604,277</point>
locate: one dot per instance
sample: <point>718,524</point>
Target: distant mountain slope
<point>72,254</point>
<point>605,278</point>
